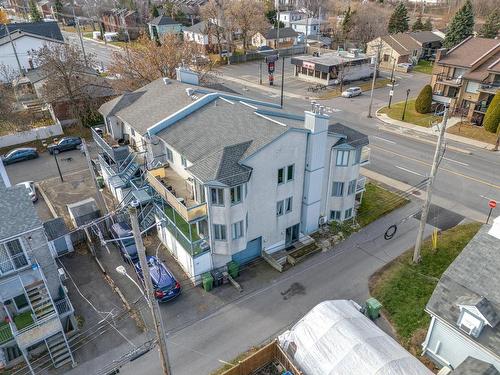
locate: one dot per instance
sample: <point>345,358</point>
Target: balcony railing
<point>188,213</point>
<point>449,80</point>
<point>360,185</point>
<point>490,88</point>
<point>38,331</point>
<point>13,263</point>
<point>5,333</point>
<point>115,152</point>
<point>481,107</point>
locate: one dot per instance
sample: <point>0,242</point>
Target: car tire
<point>78,147</point>
<point>55,152</point>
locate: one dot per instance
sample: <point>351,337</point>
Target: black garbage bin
<point>218,278</point>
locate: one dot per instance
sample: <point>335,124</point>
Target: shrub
<point>423,103</point>
<point>492,116</point>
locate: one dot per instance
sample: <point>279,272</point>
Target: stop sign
<point>492,204</point>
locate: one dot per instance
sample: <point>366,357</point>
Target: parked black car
<point>65,144</point>
<point>19,154</point>
<point>122,233</point>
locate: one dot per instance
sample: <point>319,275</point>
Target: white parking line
<point>409,171</point>
<point>456,161</point>
<point>383,139</point>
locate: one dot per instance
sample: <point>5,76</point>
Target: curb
<point>46,199</point>
<point>452,137</point>
<point>102,43</point>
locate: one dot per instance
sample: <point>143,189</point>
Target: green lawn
<point>404,288</point>
<point>411,115</point>
<point>23,320</point>
<point>423,66</point>
<point>376,203</point>
<point>182,224</point>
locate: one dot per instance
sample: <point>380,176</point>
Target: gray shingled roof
<point>200,27</point>
<point>46,29</point>
<point>472,276</point>
<point>474,366</point>
<point>483,306</point>
<point>354,137</point>
<point>17,213</point>
<point>425,37</point>
<point>285,32</point>
<point>163,20</point>
<point>55,228</point>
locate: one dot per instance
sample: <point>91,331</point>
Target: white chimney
<point>495,228</point>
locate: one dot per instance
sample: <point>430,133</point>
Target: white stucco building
<point>229,177</point>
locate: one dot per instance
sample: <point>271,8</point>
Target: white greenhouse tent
<point>335,338</point>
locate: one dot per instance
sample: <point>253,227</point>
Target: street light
<point>55,152</point>
<point>122,271</point>
<point>406,101</point>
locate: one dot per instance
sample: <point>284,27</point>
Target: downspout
<point>329,184</point>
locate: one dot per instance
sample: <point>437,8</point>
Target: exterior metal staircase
<point>147,217</point>
<point>59,350</point>
<point>40,300</point>
<point>123,178</point>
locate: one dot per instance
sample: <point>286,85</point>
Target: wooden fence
<point>269,353</point>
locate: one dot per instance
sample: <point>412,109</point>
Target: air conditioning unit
<point>62,274</point>
<point>322,220</point>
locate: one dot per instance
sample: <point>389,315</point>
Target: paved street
<point>103,53</point>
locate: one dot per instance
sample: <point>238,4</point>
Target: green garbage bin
<point>233,268</point>
<point>373,307</point>
<point>208,281</point>
<point>100,181</point>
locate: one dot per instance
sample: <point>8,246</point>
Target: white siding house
<point>235,176</point>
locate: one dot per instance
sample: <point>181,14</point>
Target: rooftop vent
<point>495,228</point>
<point>189,91</point>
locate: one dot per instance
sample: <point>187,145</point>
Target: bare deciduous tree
<point>148,60</point>
<point>213,14</point>
<point>247,17</point>
<point>369,22</point>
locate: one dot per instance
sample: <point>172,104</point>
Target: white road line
<point>409,171</point>
<point>383,139</point>
<point>488,198</point>
<point>456,161</point>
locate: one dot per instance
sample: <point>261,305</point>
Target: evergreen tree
<point>418,25</point>
<point>423,103</point>
<point>347,22</point>
<point>492,25</point>
<point>461,26</point>
<point>34,12</point>
<point>58,7</point>
<point>428,25</point>
<point>398,23</point>
<point>492,115</point>
<point>154,12</point>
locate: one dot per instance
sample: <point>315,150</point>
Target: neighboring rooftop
<point>285,32</point>
<point>55,228</point>
<point>330,59</point>
<point>352,136</point>
<point>474,366</point>
<point>472,278</point>
<point>307,21</point>
<point>425,37</point>
<point>469,51</point>
<point>163,20</point>
<point>200,27</point>
<point>45,29</point>
<point>402,43</point>
<point>17,213</point>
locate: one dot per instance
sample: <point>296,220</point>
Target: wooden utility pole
<point>155,310</point>
<point>427,203</point>
<point>77,24</point>
<point>375,67</point>
<point>21,70</point>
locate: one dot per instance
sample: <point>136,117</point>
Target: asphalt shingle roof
<point>163,20</point>
<point>285,32</point>
<point>466,53</point>
<point>425,37</point>
<point>17,213</point>
<point>474,366</point>
<point>473,275</point>
<point>55,228</point>
<point>354,137</point>
<point>402,43</point>
<point>200,27</point>
<point>46,29</point>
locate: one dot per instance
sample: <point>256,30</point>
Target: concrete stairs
<point>59,350</point>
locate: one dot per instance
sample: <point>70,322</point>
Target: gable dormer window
<point>470,324</point>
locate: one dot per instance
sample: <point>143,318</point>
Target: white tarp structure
<point>335,338</point>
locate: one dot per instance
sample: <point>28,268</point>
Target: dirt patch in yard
<point>465,129</point>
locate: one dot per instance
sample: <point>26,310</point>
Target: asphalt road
<point>103,54</point>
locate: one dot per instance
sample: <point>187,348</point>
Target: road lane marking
<point>441,168</point>
<point>409,171</point>
<point>383,139</point>
<point>488,198</point>
<point>456,161</point>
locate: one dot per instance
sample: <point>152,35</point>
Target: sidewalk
<point>263,87</point>
<point>433,131</point>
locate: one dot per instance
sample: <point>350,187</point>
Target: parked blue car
<point>165,285</point>
<point>65,144</point>
<point>19,154</point>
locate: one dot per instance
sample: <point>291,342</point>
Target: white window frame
<point>183,161</point>
<point>288,178</point>
<point>335,215</point>
<point>283,176</point>
<point>220,233</point>
<point>351,189</point>
<point>346,216</point>
<point>288,205</point>
<point>280,208</point>
<point>169,153</point>
<point>236,194</point>
<point>342,159</point>
<point>334,191</point>
<point>237,230</point>
<point>219,193</point>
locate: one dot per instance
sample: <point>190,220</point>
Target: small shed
<point>58,236</point>
<point>83,212</point>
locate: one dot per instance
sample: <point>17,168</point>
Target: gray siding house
<point>35,312</point>
<point>465,306</point>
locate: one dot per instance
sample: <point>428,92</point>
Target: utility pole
<point>260,73</point>
<point>100,199</point>
<point>375,66</point>
<point>21,71</point>
<point>155,310</point>
<point>282,80</point>
<point>77,24</point>
<point>278,21</point>
<point>427,203</point>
